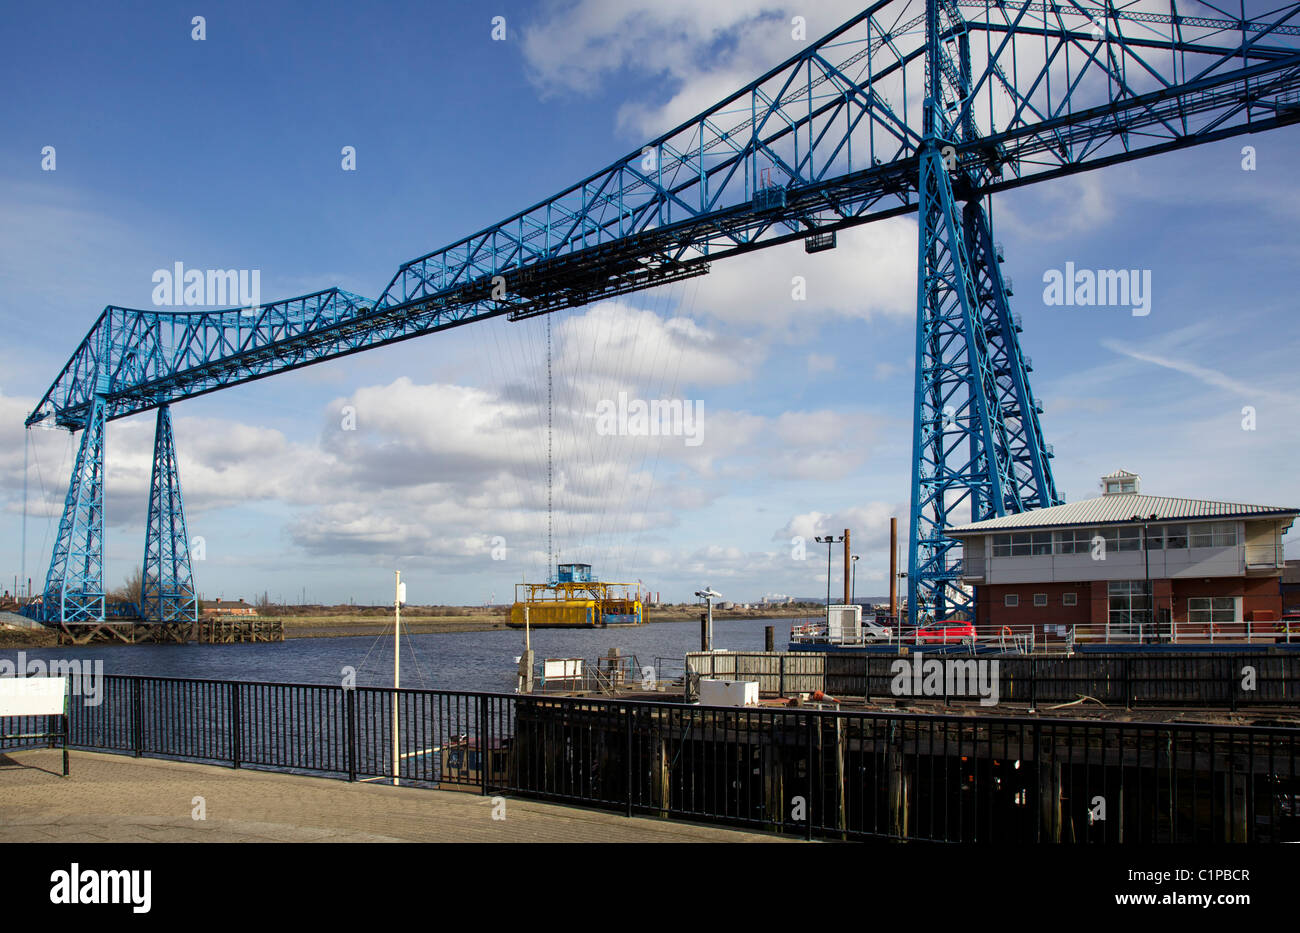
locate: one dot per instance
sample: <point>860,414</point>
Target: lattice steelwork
<point>913,105</point>
<point>167,582</point>
<point>74,586</point>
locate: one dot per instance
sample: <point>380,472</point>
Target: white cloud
<point>868,523</point>
<point>1203,374</point>
<point>871,274</point>
<point>689,55</point>
<point>633,346</point>
<point>1063,209</point>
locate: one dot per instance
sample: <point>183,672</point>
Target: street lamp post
<point>898,617</point>
<point>1146,566</point>
<point>853,580</point>
<point>828,540</point>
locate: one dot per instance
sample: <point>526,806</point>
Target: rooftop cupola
<point>1121,483</point>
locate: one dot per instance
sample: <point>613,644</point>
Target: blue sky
<point>225,153</point>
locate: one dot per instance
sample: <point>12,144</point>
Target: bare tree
<point>129,591</point>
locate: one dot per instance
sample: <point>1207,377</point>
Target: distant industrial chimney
<point>848,598</point>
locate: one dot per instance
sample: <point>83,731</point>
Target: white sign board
<point>562,668</point>
<point>32,696</point>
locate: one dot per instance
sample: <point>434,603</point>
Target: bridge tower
<point>74,586</point>
<point>167,592</point>
<point>977,444</point>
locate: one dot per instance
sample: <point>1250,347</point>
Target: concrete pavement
<point>114,798</point>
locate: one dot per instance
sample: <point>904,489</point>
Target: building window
<point>1128,538</point>
<point>1011,600</point>
<point>1213,534</point>
<point>1203,610</point>
<point>1129,607</point>
<point>1023,544</point>
<point>1017,545</point>
<point>1040,599</point>
<point>1078,541</point>
<point>1069,599</point>
<point>1175,537</point>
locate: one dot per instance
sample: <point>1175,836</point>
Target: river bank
<point>374,621</point>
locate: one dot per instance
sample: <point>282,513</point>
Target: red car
<point>945,633</point>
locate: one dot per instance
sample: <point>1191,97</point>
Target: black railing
<point>824,773</point>
<point>1225,681</point>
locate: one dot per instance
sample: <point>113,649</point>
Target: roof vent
<point>1120,483</point>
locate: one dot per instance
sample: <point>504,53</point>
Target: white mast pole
<point>397,668</point>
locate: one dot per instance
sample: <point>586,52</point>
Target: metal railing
<point>1052,638</point>
<point>831,774</point>
<point>1123,681</point>
<point>1271,556</point>
<point>606,675</point>
<point>1024,638</point>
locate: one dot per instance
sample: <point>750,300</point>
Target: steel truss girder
<point>74,585</point>
<point>139,360</point>
<point>167,591</point>
<point>1144,84</point>
<point>836,129</point>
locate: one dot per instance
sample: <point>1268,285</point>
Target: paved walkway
<point>113,798</point>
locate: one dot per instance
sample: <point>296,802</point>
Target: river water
<point>443,661</point>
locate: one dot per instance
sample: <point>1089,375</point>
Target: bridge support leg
<point>978,450</point>
<point>167,592</point>
<point>74,586</point>
<point>953,421</point>
<point>977,446</point>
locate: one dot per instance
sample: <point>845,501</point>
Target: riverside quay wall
<point>818,773</point>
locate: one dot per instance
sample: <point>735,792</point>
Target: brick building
<point>236,608</point>
<point>1206,563</point>
<point>1291,587</point>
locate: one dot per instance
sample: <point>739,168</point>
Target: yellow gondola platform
<point>575,600</point>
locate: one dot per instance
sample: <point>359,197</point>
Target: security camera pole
<point>708,595</point>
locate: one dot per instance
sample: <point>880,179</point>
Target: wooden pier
<point>229,631</point>
<point>208,631</point>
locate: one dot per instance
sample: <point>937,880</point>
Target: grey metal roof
<point>1119,509</point>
